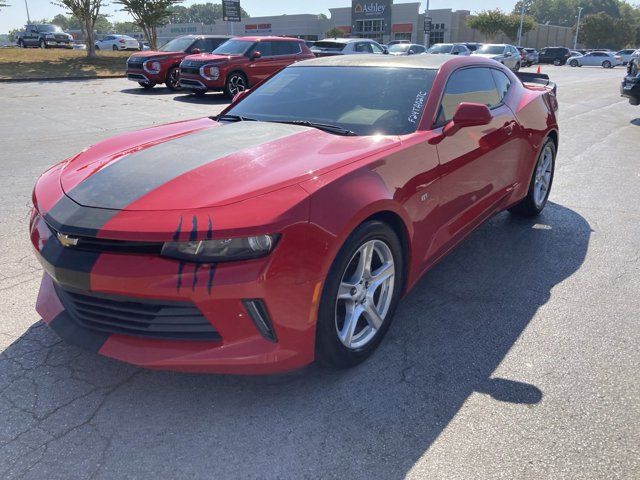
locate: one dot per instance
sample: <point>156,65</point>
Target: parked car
<point>555,55</point>
<point>596,59</point>
<point>472,46</point>
<point>310,43</point>
<point>626,55</point>
<point>449,49</point>
<point>397,42</point>
<point>240,63</point>
<point>506,54</point>
<point>287,229</point>
<point>406,49</point>
<point>163,66</point>
<point>531,56</point>
<point>117,42</point>
<point>44,36</point>
<point>346,46</point>
<point>630,87</point>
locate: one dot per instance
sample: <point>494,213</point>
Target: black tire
<point>573,63</point>
<point>330,351</point>
<point>42,43</point>
<point>517,67</point>
<point>557,62</point>
<point>21,44</point>
<point>147,86</point>
<point>114,48</point>
<point>235,80</point>
<point>528,207</point>
<point>97,47</point>
<point>173,79</point>
<point>606,64</point>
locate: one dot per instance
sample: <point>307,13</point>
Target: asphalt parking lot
<point>515,357</point>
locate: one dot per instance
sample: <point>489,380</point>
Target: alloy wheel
<point>237,84</point>
<point>173,79</point>
<point>365,294</point>
<point>543,175</point>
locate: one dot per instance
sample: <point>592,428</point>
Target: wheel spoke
<point>371,314</point>
<point>382,274</point>
<point>352,315</point>
<point>344,291</point>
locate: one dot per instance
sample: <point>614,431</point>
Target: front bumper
<point>198,83</point>
<point>231,343</point>
<point>630,88</point>
<point>141,76</point>
<point>59,43</point>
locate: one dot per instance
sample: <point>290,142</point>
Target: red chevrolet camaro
<point>286,229</point>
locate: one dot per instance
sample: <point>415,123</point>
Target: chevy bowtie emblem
<point>66,240</point>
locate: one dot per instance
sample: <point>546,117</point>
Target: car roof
<point>346,40</point>
<point>428,61</point>
<point>270,39</point>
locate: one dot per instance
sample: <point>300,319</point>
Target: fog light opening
<point>258,312</point>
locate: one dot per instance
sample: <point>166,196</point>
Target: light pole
<point>575,41</point>
<point>521,24</point>
<point>426,34</point>
<point>27,7</point>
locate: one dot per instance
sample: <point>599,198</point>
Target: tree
<point>488,22</point>
<point>102,25</point>
<point>125,27</point>
<point>334,33</point>
<point>4,4</point>
<point>148,15</point>
<point>87,11</point>
<point>13,34</point>
<point>511,26</point>
<point>603,31</point>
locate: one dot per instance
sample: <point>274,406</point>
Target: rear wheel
<point>360,296</point>
<point>517,67</point>
<point>42,43</point>
<point>97,47</point>
<point>173,79</point>
<point>557,62</point>
<point>606,64</point>
<point>540,184</point>
<point>573,63</point>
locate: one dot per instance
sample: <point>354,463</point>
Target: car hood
<point>488,55</point>
<point>203,163</point>
<point>210,57</point>
<point>147,54</point>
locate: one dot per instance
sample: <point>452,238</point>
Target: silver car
<point>626,55</point>
<point>449,48</point>
<point>595,59</point>
<point>406,49</point>
<point>506,54</point>
<point>346,46</point>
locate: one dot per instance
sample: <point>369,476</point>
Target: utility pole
<point>521,24</point>
<point>27,7</point>
<point>426,34</point>
<point>575,41</point>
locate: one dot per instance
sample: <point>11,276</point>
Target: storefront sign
<point>231,10</point>
<point>427,24</point>
<point>258,28</point>
<point>378,12</point>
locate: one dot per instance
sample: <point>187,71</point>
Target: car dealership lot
<point>515,357</point>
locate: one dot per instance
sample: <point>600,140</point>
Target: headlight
<point>151,66</point>
<point>210,72</point>
<point>224,250</point>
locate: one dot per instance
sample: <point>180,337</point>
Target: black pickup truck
<point>44,36</point>
<point>630,87</point>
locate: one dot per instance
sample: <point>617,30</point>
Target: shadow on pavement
<point>636,122</point>
<point>71,414</point>
<point>209,98</point>
<point>157,90</point>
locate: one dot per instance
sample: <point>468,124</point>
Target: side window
<point>199,44</point>
<point>474,85</point>
<point>375,48</point>
<point>502,82</point>
<point>542,52</point>
<point>420,49</point>
<point>210,44</point>
<point>285,48</point>
<point>265,49</point>
<point>362,47</point>
<point>294,48</point>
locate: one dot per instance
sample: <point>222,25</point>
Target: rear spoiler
<point>538,79</point>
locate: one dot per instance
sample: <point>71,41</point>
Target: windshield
<point>336,46</point>
<point>365,100</point>
<point>179,44</point>
<point>234,47</point>
<point>491,49</point>
<point>441,48</point>
<point>399,47</point>
<point>49,28</point>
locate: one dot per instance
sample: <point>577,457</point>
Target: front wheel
<point>21,44</point>
<point>606,64</point>
<point>517,67</point>
<point>540,184</point>
<point>43,44</point>
<point>360,296</point>
<point>147,86</point>
<point>173,79</point>
<point>114,48</point>
<point>236,83</point>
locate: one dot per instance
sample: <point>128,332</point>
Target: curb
<point>58,79</point>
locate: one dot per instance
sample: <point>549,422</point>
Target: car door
<point>31,35</point>
<point>478,164</point>
<point>591,59</point>
<point>362,47</point>
<point>268,63</point>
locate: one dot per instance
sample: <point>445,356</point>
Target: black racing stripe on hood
<point>68,217</point>
<point>129,178</point>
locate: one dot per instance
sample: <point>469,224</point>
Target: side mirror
<point>411,52</point>
<point>385,50</point>
<point>455,53</point>
<point>238,96</point>
<point>195,51</point>
<point>508,54</point>
<point>467,115</point>
<point>256,55</point>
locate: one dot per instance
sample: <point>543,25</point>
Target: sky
<point>15,15</point>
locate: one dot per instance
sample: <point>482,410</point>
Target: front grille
<point>139,317</point>
<point>191,70</point>
<point>101,245</point>
<point>135,63</point>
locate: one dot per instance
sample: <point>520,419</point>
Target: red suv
<point>240,63</point>
<point>149,68</point>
